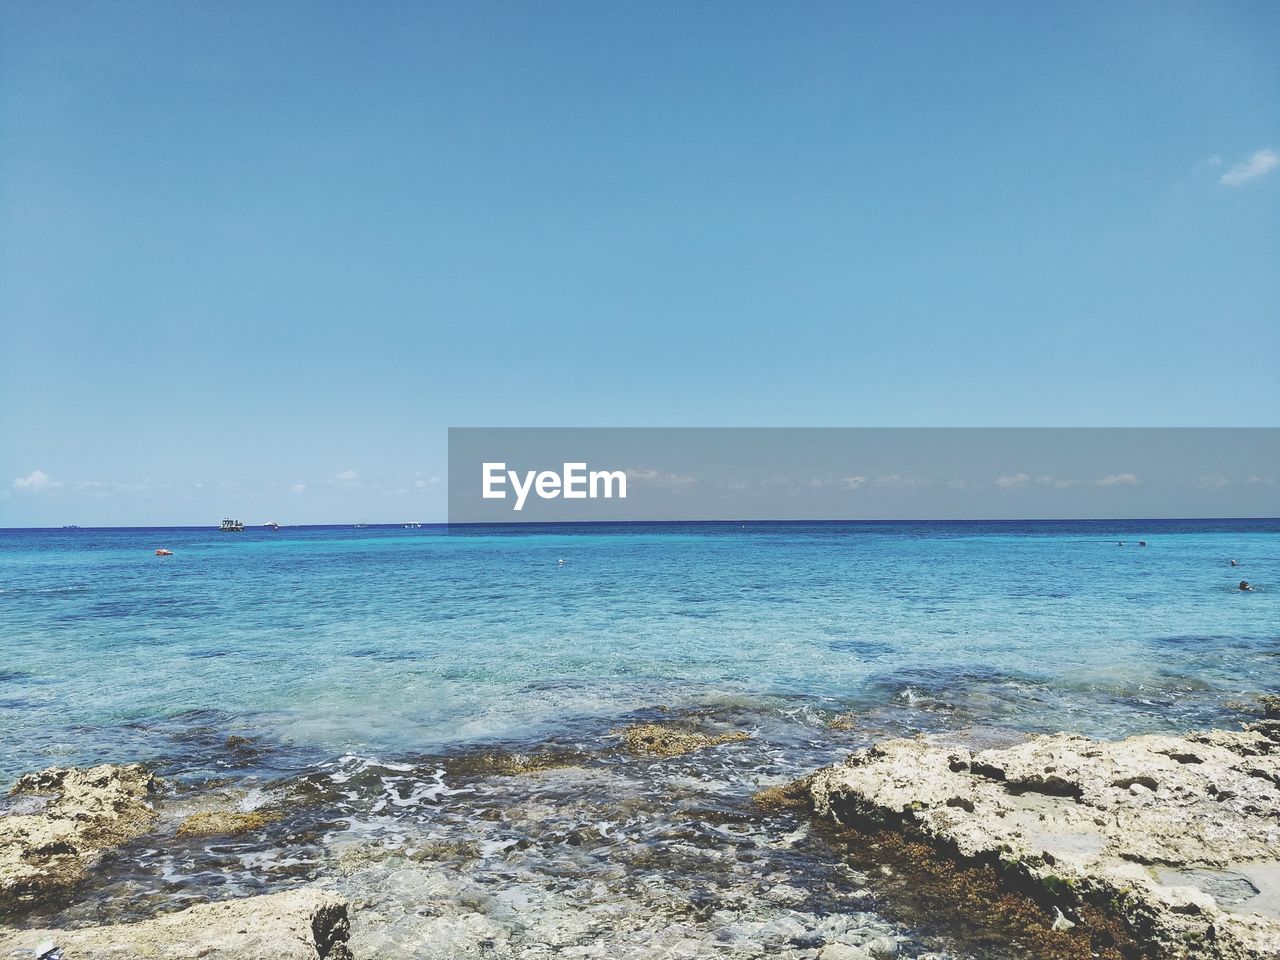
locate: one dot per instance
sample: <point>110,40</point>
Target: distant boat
<point>232,526</point>
<point>71,526</point>
<point>413,525</point>
<point>361,526</point>
<point>271,525</point>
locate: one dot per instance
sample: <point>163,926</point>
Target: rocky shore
<point>1146,848</point>
<point>59,821</point>
<point>56,824</point>
<point>1178,837</point>
<point>294,925</point>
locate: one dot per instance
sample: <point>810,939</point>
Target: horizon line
<point>400,524</point>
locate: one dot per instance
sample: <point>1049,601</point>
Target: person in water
<point>1244,585</point>
<point>1235,563</point>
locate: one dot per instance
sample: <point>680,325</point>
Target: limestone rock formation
<point>60,820</point>
<point>670,740</point>
<point>295,925</point>
<point>1180,836</point>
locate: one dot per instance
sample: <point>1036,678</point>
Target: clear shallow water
<point>343,640</point>
<point>379,671</point>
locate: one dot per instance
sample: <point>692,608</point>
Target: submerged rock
<point>1178,836</point>
<point>215,823</point>
<point>669,740</point>
<point>76,814</point>
<point>844,722</point>
<point>789,796</point>
<point>501,763</point>
<point>296,925</point>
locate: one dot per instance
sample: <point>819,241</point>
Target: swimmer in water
<point>1244,585</point>
<point>1235,563</point>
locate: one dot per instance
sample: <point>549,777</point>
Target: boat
<point>271,525</point>
<point>361,526</point>
<point>413,525</point>
<point>232,526</point>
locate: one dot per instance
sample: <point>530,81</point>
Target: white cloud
<point>1118,480</point>
<point>659,478</point>
<point>1016,480</point>
<point>1044,480</point>
<point>1212,481</point>
<point>348,476</point>
<point>298,487</point>
<point>853,483</point>
<point>898,480</point>
<point>35,481</point>
<point>1258,165</point>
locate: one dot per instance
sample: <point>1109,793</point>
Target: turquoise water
<point>341,640</point>
<point>389,682</point>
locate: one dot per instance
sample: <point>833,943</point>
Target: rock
<point>296,925</point>
<point>502,764</point>
<point>78,814</point>
<point>843,951</point>
<point>1190,860</point>
<point>788,796</point>
<point>669,740</point>
<point>222,823</point>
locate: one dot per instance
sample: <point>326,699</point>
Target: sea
<point>428,717</point>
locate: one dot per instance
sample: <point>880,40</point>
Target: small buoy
<point>560,562</point>
<point>164,553</point>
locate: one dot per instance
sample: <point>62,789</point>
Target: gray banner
<point>522,475</point>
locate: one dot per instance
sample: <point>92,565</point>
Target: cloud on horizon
<point>1118,480</point>
<point>35,481</point>
<point>1259,164</point>
<point>1022,479</point>
<point>1016,480</point>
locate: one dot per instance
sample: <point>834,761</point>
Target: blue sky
<point>256,258</point>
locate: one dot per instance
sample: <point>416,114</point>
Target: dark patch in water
<point>385,656</point>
